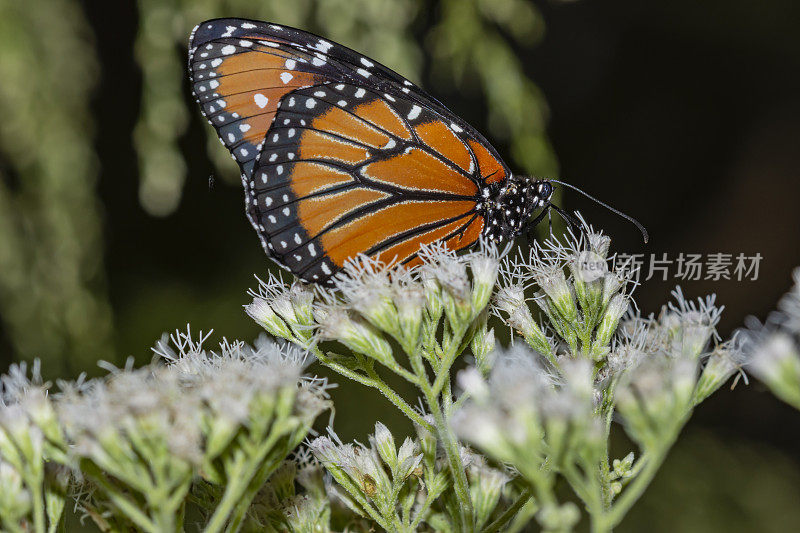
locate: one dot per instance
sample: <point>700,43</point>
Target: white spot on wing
<point>228,49</point>
<point>323,45</point>
<point>415,111</point>
<point>286,77</point>
<point>260,100</point>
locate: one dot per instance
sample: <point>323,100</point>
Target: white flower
<point>449,269</point>
<point>691,325</point>
<point>285,311</point>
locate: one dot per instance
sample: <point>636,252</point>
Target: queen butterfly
<point>341,156</point>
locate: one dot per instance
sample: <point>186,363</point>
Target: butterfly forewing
<point>339,154</point>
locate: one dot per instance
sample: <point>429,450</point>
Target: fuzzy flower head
<point>188,407</point>
<point>772,350</point>
<point>366,286</point>
<point>522,407</point>
<point>107,417</point>
<point>284,311</point>
<point>370,474</point>
<point>688,325</point>
<point>582,297</point>
<point>390,299</point>
<point>655,397</point>
<point>773,356</point>
<point>30,394</point>
<point>466,280</point>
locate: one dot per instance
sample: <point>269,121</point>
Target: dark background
<point>684,114</point>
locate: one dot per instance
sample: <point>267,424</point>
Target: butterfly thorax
<point>510,205</point>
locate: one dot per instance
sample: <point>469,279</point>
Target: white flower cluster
<point>581,297</point>
<point>141,438</point>
<point>220,426</point>
<point>548,411</point>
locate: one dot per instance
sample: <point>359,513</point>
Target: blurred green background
<point>685,114</point>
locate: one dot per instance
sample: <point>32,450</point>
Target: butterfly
<point>341,156</point>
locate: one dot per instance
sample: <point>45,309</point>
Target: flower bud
<point>409,300</point>
<point>356,335</point>
<point>384,443</point>
<point>610,320</point>
<point>723,362</point>
<point>408,460</point>
<point>622,467</point>
<point>554,284</point>
<point>482,345</point>
<point>484,276</point>
<point>261,311</point>
<point>486,485</point>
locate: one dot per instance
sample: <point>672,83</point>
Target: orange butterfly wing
<point>339,154</point>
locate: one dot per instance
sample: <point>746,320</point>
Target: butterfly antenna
<point>617,211</point>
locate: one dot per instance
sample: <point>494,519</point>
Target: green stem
<point>237,479</point>
<point>450,445</point>
<point>266,470</point>
<point>524,516</point>
<point>376,383</point>
<point>457,345</point>
<point>509,513</point>
<point>35,486</point>
<point>123,503</point>
<point>431,497</point>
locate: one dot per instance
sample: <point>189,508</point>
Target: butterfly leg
<point>531,226</point>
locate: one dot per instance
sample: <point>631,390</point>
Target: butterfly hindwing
<point>344,170</point>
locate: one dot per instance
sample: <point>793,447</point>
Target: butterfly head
<point>512,206</point>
